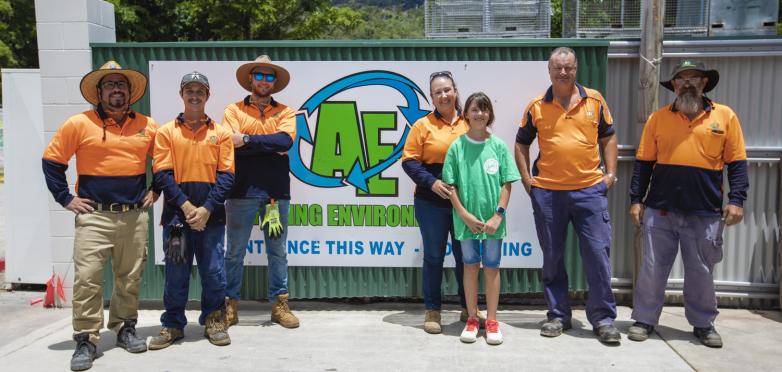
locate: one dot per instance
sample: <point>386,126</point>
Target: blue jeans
<point>240,215</point>
<point>587,208</point>
<point>207,248</point>
<point>489,251</point>
<point>436,223</point>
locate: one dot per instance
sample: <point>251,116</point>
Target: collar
<point>247,102</point>
<point>103,115</point>
<point>550,92</point>
<point>180,119</point>
<point>438,115</point>
<point>708,105</point>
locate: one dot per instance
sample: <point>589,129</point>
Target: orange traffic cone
<point>55,294</point>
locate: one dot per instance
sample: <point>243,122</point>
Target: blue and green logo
<point>346,147</point>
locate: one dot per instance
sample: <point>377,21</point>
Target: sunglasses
<point>260,76</point>
<point>440,74</point>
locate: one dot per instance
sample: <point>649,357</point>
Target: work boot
<point>432,322</point>
<point>127,339</point>
<point>85,352</point>
<point>216,329</point>
<point>608,334</point>
<point>281,313</point>
<point>465,315</point>
<point>166,337</point>
<point>231,311</point>
<point>639,331</point>
<point>554,327</point>
<point>708,336</point>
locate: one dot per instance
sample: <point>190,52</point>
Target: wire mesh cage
<point>622,18</point>
<point>487,18</point>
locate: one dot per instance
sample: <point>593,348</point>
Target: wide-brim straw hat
<point>687,64</point>
<point>242,74</point>
<point>89,83</point>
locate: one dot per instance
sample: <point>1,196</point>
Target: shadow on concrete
<point>775,315</point>
<point>674,334</point>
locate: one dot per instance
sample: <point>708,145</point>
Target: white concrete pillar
<point>65,30</point>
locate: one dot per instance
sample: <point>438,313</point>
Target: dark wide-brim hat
<point>688,64</point>
<point>89,83</point>
<point>243,72</point>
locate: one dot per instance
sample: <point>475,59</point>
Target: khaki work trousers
<point>99,235</point>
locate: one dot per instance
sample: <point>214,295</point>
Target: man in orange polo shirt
<point>111,144</point>
<point>264,130</point>
<point>684,149</point>
<point>194,168</point>
<point>566,184</point>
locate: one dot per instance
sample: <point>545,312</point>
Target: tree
<point>234,20</point>
<point>18,45</point>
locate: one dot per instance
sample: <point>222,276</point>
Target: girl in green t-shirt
<point>481,169</point>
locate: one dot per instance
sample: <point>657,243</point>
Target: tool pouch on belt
<point>272,218</point>
<point>174,248</point>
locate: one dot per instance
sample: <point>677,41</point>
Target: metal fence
<point>750,74</point>
<point>487,18</point>
<point>622,18</point>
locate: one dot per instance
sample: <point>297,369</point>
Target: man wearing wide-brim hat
<point>683,151</point>
<point>264,130</point>
<point>112,144</point>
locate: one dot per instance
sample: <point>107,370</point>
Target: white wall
<point>65,30</point>
<point>28,252</point>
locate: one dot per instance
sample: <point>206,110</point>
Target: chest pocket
<point>211,155</point>
<point>712,138</point>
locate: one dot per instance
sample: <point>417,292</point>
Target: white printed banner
<point>352,204</point>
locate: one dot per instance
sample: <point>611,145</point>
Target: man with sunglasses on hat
<point>263,131</point>
<point>677,200</point>
<point>194,166</point>
<point>566,184</point>
<point>112,144</point>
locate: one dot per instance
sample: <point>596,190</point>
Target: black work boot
<point>608,334</point>
<point>85,352</point>
<point>708,336</point>
<point>127,339</point>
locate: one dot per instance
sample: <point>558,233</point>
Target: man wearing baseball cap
<point>194,167</point>
<point>684,149</point>
<point>263,131</point>
<point>111,143</point>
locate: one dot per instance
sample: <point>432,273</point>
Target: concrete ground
<point>389,337</point>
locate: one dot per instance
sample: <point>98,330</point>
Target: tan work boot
<point>216,329</point>
<point>166,337</point>
<point>281,313</point>
<point>432,322</point>
<point>465,315</point>
<point>231,311</point>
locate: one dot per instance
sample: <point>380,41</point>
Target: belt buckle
<point>120,207</point>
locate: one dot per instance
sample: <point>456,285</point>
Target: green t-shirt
<point>478,170</point>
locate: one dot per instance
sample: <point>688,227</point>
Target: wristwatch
<point>246,138</point>
<point>500,211</point>
<point>613,177</point>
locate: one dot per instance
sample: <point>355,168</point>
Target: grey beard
<point>688,103</point>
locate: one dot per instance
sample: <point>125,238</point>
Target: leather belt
<point>117,207</point>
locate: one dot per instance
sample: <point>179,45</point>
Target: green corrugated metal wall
<point>323,282</point>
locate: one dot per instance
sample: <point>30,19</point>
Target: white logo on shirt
<point>491,166</point>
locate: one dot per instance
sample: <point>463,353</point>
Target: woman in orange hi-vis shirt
<point>424,154</point>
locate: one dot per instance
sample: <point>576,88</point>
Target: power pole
<point>650,52</point>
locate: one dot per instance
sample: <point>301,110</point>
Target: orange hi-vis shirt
<point>262,167</point>
<point>111,160</point>
<point>569,157</point>
<point>424,152</point>
<point>193,166</point>
<point>684,160</point>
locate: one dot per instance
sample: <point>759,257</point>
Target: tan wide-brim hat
<point>242,74</point>
<point>89,83</point>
